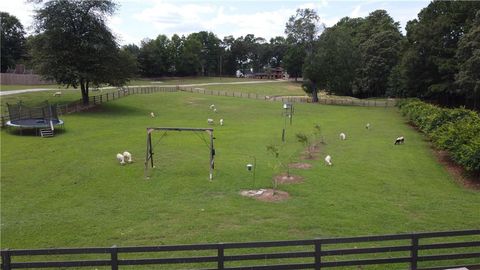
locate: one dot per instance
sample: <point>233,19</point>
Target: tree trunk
<point>314,93</point>
<point>84,89</point>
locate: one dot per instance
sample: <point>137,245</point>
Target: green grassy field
<point>69,191</point>
<point>165,81</point>
<point>278,89</point>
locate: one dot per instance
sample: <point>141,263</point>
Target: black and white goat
<point>399,140</point>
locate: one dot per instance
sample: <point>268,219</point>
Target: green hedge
<point>454,130</point>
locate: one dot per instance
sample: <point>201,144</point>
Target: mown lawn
<point>272,89</point>
<point>149,82</point>
<point>69,191</point>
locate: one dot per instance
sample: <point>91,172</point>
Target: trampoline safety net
<point>20,112</point>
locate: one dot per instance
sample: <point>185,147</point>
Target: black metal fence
<point>410,251</point>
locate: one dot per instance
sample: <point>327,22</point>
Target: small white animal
<point>221,122</point>
<point>57,94</point>
<point>210,121</point>
<point>399,140</point>
<point>121,159</point>
<point>212,106</point>
<point>215,110</point>
<point>367,126</point>
<point>328,160</point>
<point>152,115</point>
<point>127,156</point>
<point>343,136</point>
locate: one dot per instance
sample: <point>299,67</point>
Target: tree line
<point>438,59</point>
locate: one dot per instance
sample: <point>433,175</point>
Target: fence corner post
<point>221,256</point>
<point>414,252</point>
<point>6,259</point>
<point>114,257</point>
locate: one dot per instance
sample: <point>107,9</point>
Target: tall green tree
<point>210,52</point>
<point>293,60</point>
<point>155,58</point>
<point>338,56</point>
<point>12,40</point>
<point>74,46</point>
<point>379,41</point>
<point>277,49</point>
<point>302,30</point>
<point>433,40</point>
<point>468,55</point>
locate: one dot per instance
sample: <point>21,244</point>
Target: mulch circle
<point>304,166</point>
<point>288,179</point>
<point>266,195</point>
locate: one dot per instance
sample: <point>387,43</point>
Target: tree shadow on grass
<point>114,110</point>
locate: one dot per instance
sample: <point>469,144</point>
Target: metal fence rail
<point>315,253</point>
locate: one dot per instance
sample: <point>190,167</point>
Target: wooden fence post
<point>318,254</point>
<point>414,253</point>
<point>114,257</point>
<point>221,256</point>
<point>6,260</point>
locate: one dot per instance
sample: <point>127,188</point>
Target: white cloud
<point>185,18</point>
<point>356,12</point>
<point>21,10</point>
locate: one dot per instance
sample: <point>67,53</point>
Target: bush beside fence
<point>454,130</point>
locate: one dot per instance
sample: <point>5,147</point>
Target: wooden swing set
<point>149,152</point>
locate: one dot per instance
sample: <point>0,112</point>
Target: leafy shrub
<point>455,130</point>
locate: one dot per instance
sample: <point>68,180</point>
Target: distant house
<point>270,73</point>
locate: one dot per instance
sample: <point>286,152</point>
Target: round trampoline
<point>34,123</point>
<point>42,120</point>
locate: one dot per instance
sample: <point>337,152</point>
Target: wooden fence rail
<point>296,99</point>
<point>94,100</point>
<point>315,253</point>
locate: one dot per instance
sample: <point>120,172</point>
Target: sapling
<point>305,140</point>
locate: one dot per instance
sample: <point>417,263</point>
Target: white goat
<point>57,94</point>
<point>121,159</point>
<point>210,121</point>
<point>328,160</point>
<point>214,110</point>
<point>343,136</point>
<point>127,156</point>
<point>221,122</point>
<point>152,115</point>
<point>212,106</point>
<point>367,126</point>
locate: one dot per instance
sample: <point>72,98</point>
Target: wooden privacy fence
<point>407,250</point>
<point>22,79</point>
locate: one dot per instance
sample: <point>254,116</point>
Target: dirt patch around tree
<point>311,152</point>
<point>298,165</point>
<point>457,171</point>
<point>266,195</point>
<point>288,179</point>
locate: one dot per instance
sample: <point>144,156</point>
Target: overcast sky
<point>139,19</point>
